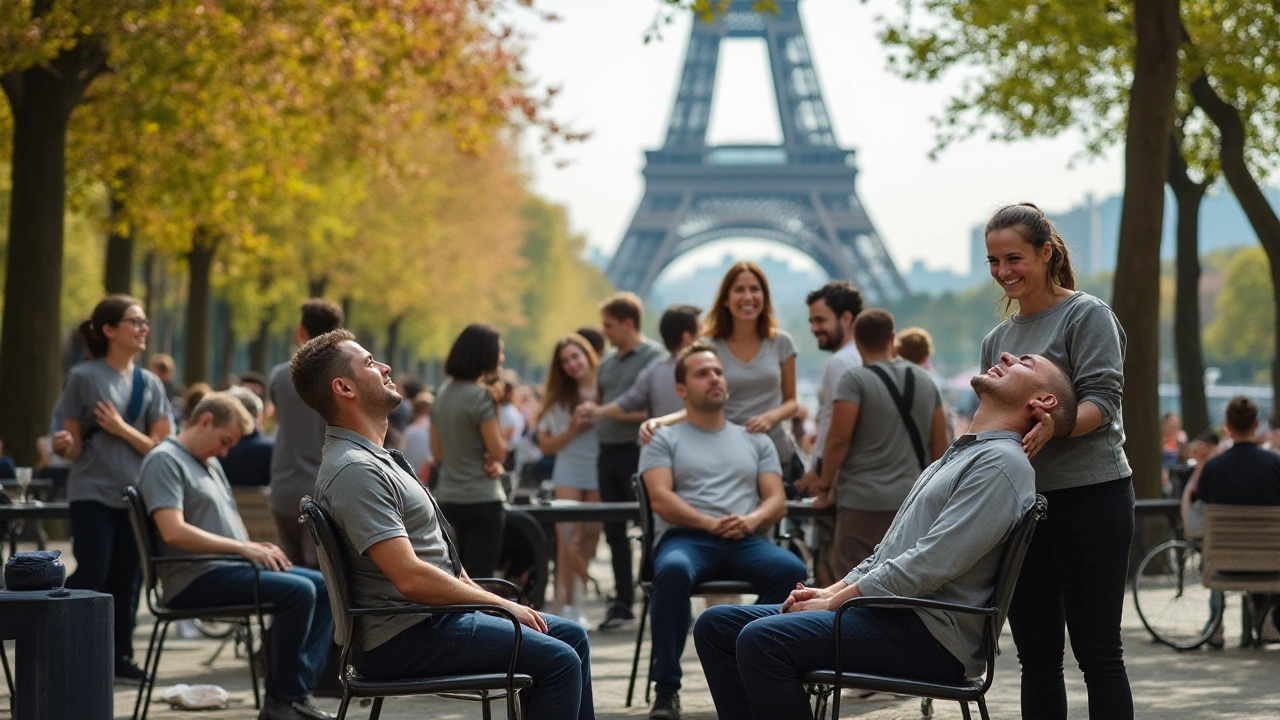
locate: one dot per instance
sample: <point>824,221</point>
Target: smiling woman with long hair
<point>113,412</point>
<point>571,437</point>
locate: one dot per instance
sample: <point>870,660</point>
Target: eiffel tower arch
<point>800,193</point>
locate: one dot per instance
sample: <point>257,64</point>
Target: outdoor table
<point>63,662</point>
<point>34,511</point>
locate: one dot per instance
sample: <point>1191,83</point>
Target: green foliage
<point>1240,338</point>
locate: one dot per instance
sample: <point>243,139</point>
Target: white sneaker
<point>574,615</point>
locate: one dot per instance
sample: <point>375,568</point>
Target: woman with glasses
<point>114,412</point>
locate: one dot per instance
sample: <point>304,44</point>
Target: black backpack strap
<point>134,411</point>
<point>904,401</point>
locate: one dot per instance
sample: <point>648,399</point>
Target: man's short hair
<point>320,316</point>
<point>593,337</point>
<point>1242,413</point>
<point>248,398</point>
<point>314,367</point>
<point>161,364</point>
<point>682,366</point>
<point>1064,416</point>
<point>225,410</point>
<point>1208,437</point>
<point>839,295</point>
<point>873,329</point>
<point>915,344</point>
<point>624,306</point>
<point>676,321</point>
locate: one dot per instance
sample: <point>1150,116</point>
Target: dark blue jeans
<point>1074,576</point>
<point>107,561</point>
<point>686,557</point>
<point>754,657</point>
<point>301,628</point>
<point>465,643</point>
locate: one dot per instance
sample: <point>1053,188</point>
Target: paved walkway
<point>1230,683</point>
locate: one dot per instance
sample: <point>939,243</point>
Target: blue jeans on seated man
<point>754,656</point>
<point>301,627</point>
<point>686,557</point>
<point>472,643</point>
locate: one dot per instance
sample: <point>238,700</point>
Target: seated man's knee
<point>753,643</point>
<point>673,572</point>
<point>714,623</point>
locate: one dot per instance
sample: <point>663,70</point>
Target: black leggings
<point>107,561</point>
<point>1075,575</point>
<point>476,528</point>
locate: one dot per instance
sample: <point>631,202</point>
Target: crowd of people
<point>417,480</point>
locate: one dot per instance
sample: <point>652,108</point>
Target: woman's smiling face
<point>746,297</point>
<point>1016,265</point>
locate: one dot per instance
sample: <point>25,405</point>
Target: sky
<point>621,89</point>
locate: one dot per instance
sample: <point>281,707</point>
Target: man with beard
<point>392,535</point>
<point>712,487</point>
<point>945,544</point>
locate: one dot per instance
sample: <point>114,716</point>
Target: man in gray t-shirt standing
<point>391,533</point>
<point>621,316</point>
<point>299,439</point>
<point>187,494</point>
<point>887,424</point>
<point>712,487</point>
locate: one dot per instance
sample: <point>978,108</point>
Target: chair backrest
<point>334,568</point>
<point>646,528</point>
<point>1241,538</point>
<point>1011,559</point>
<point>254,505</point>
<point>144,536</point>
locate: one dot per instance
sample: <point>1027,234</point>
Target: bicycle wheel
<point>1172,601</point>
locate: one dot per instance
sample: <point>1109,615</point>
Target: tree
<point>1240,336</point>
<point>1188,193</point>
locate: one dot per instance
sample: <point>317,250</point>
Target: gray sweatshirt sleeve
<point>1096,344</point>
<point>637,396</point>
<point>961,535</point>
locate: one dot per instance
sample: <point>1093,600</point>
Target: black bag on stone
<point>35,570</point>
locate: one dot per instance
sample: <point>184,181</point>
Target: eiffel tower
<point>800,193</point>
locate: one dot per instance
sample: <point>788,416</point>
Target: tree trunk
<point>118,275</point>
<point>227,359</point>
<point>41,99</point>
<point>1186,306</point>
<point>1136,293</point>
<point>393,339</point>
<point>1245,187</point>
<point>200,263</point>
<point>260,348</point>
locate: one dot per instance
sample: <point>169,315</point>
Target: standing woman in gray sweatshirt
<point>113,413</point>
<point>1076,568</point>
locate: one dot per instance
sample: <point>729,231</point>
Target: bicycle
<point>1171,598</point>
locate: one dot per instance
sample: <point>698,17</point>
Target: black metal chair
<point>715,587</point>
<point>144,534</point>
<point>484,688</point>
<point>826,684</point>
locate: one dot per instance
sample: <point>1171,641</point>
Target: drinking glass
<point>24,481</point>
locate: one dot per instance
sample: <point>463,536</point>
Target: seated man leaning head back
<point>398,553</point>
<point>944,544</point>
<point>713,487</point>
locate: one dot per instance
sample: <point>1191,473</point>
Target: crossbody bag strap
<point>904,402</point>
<point>134,411</point>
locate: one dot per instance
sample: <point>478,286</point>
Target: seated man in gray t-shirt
<point>713,487</point>
<point>397,552</point>
<point>183,487</point>
<point>945,544</point>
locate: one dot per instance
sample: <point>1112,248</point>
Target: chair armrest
<point>504,589</point>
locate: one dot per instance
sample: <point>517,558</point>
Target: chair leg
<point>266,665</point>
<point>964,709</point>
<point>146,670</point>
<point>253,663</point>
<point>346,702</point>
<point>635,661</point>
<point>150,680</point>
<point>8,674</point>
<point>835,702</point>
<point>486,712</point>
<point>982,708</point>
<point>377,709</point>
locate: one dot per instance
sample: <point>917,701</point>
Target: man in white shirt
<point>832,310</point>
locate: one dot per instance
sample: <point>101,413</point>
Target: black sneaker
<point>616,615</point>
<point>666,706</point>
<point>276,709</point>
<point>128,673</point>
<point>306,708</point>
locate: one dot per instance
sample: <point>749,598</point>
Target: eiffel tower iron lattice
<point>800,193</point>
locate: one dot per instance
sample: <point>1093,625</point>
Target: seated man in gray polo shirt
<point>945,544</point>
<point>185,490</point>
<point>398,553</point>
<point>713,488</point>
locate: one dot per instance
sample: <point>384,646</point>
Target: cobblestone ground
<point>1230,683</point>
